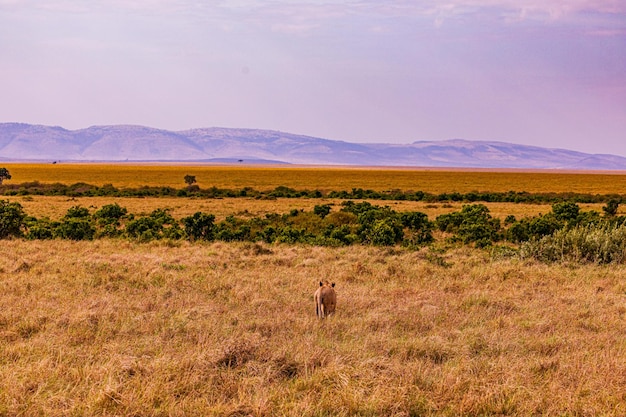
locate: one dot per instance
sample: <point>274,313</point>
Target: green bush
<point>384,232</point>
<point>544,225</point>
<point>322,210</point>
<point>610,209</point>
<point>510,219</point>
<point>233,229</point>
<point>11,219</point>
<point>338,235</point>
<point>110,213</point>
<point>566,212</point>
<point>472,224</point>
<point>77,212</point>
<point>154,227</point>
<point>40,229</point>
<point>292,235</point>
<point>376,225</point>
<point>200,226</point>
<point>109,230</point>
<point>109,220</point>
<point>144,229</point>
<point>268,235</point>
<point>74,228</point>
<point>482,234</point>
<point>518,232</point>
<point>449,222</point>
<point>419,228</point>
<point>356,208</point>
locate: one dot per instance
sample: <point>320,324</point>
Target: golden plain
<point>323,178</point>
<point>172,328</point>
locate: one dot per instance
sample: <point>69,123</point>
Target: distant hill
<point>24,142</point>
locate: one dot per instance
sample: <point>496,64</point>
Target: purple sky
<point>549,73</point>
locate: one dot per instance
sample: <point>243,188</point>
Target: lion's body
<point>325,300</point>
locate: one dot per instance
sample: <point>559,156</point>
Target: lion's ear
<point>321,283</point>
<point>333,284</point>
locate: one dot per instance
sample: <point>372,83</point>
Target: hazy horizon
<point>548,74</point>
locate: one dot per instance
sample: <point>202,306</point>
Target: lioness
<point>325,299</point>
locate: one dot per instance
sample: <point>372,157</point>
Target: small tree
<point>4,175</point>
<point>322,210</point>
<point>190,180</point>
<point>610,210</point>
<point>11,219</point>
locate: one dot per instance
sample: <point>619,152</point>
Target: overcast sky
<point>550,73</point>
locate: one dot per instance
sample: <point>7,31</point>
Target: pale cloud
<point>293,28</point>
<point>609,33</point>
<point>553,8</point>
<point>328,9</point>
<point>292,16</point>
<point>304,16</point>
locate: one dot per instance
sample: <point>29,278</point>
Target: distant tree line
<point>193,190</point>
<point>565,233</point>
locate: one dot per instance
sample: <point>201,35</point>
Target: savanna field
<point>114,326</point>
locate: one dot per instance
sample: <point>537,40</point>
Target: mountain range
<point>26,142</point>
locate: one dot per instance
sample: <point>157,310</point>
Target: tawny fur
<point>325,299</point>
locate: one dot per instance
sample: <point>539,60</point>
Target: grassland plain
<point>117,328</point>
<point>323,178</point>
<point>171,328</point>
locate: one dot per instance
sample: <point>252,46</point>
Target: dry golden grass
<point>117,328</point>
<point>323,178</point>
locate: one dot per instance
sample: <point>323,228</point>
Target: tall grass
<point>118,328</point>
<point>603,245</point>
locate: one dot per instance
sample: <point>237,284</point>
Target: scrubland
<point>112,327</point>
<point>55,207</point>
